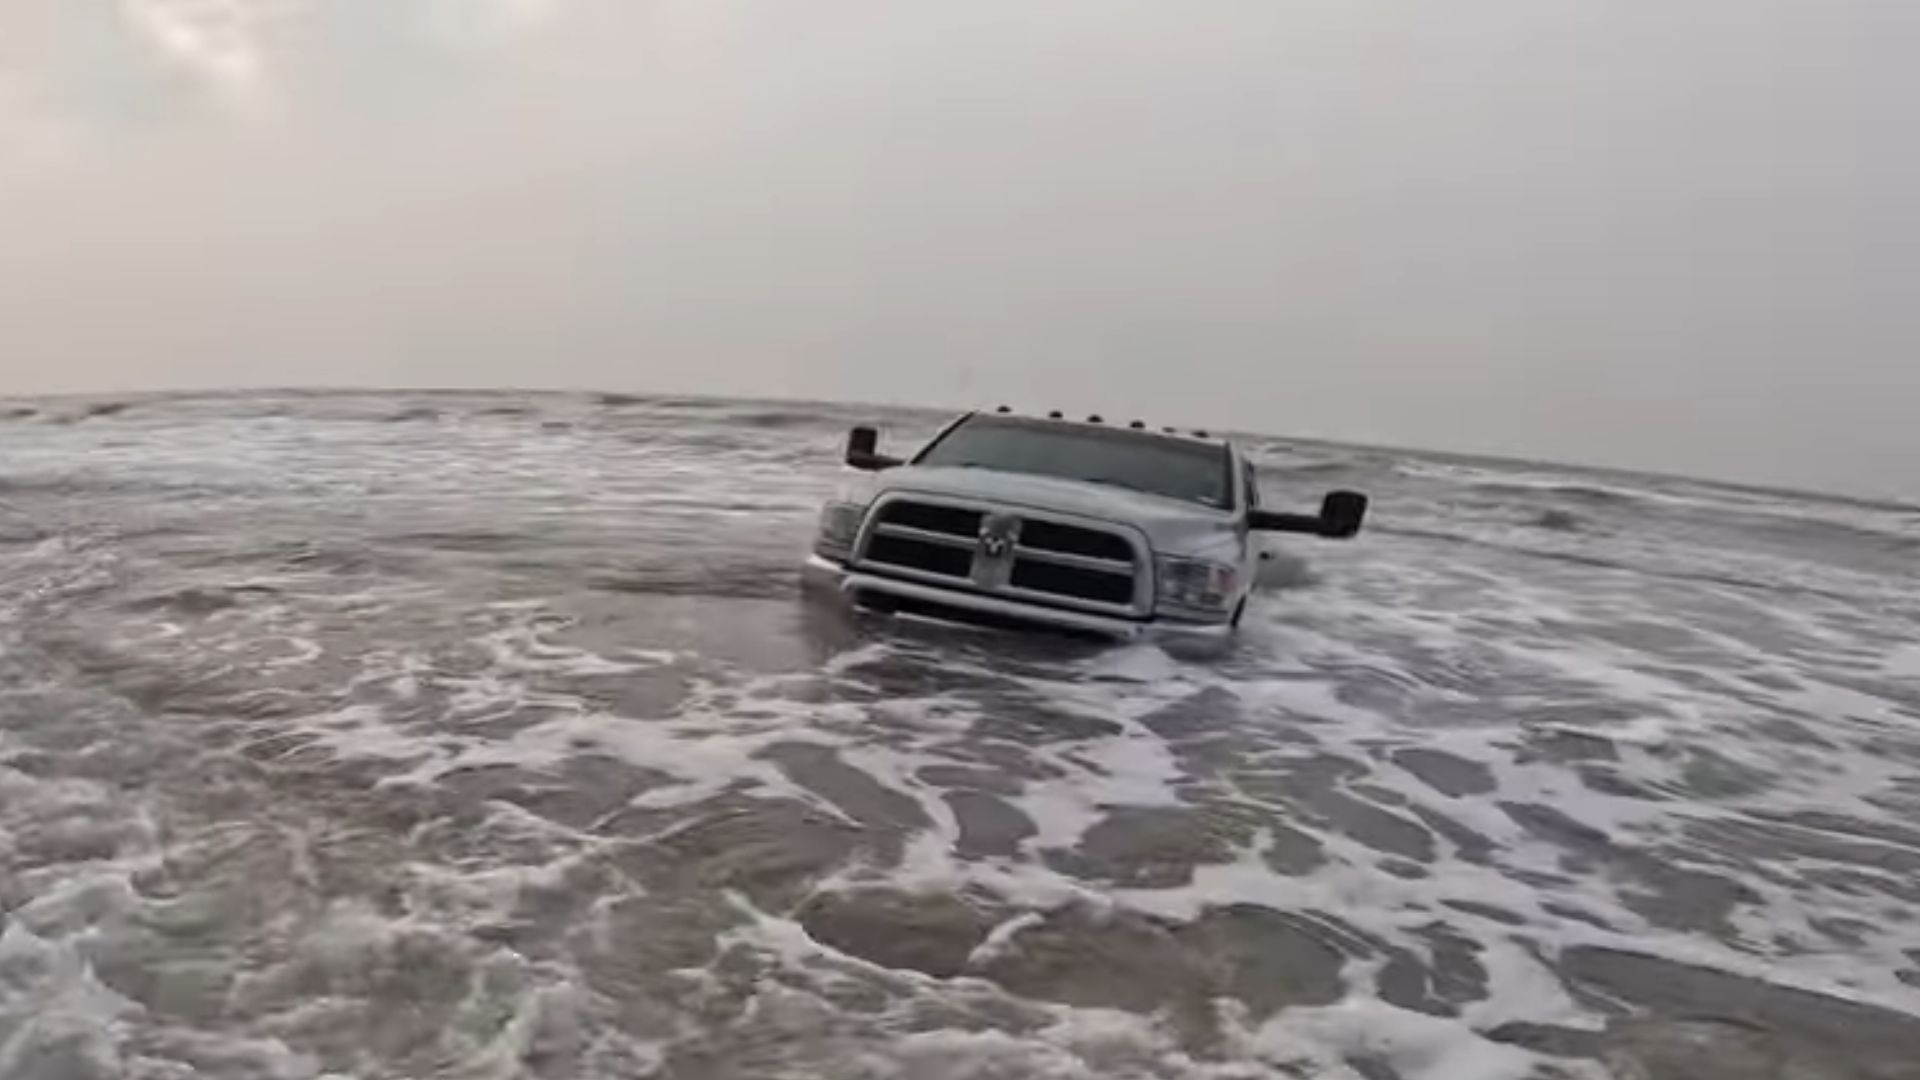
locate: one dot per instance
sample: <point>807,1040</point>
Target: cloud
<point>32,135</point>
<point>488,22</point>
<point>241,51</point>
<point>220,42</point>
<point>78,76</point>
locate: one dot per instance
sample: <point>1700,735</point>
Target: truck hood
<point>1169,524</point>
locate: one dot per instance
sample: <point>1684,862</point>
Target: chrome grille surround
<point>1035,556</point>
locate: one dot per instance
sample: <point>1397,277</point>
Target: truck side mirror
<point>1341,515</point>
<point>862,444</point>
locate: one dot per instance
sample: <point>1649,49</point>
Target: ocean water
<point>490,736</point>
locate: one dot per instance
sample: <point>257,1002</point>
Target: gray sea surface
<point>489,735</point>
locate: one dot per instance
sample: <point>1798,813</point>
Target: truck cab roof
<point>1095,420</point>
<point>1189,469</point>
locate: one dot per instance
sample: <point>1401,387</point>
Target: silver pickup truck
<point>1079,525</point>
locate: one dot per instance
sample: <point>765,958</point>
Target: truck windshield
<point>1173,468</point>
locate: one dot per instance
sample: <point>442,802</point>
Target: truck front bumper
<point>854,587</point>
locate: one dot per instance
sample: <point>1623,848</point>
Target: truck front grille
<point>949,520</point>
<point>1013,553</point>
<point>931,558</point>
<point>1044,577</point>
<point>1074,540</point>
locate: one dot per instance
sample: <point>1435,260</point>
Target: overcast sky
<point>1676,234</point>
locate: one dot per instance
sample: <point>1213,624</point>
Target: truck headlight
<point>839,526</point>
<point>1199,584</point>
